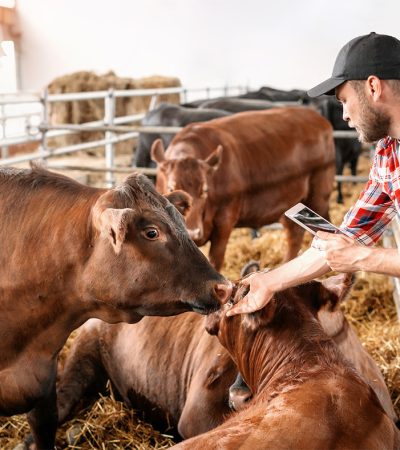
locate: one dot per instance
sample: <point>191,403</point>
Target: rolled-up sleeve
<point>373,211</point>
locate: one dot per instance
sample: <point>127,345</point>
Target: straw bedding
<point>370,308</point>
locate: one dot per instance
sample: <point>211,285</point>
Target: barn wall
<point>283,43</point>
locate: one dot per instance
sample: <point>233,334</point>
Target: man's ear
<point>374,87</point>
<point>113,224</point>
<point>259,319</point>
<point>157,151</point>
<point>181,200</point>
<point>215,158</point>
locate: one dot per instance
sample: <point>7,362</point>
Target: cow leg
<point>83,373</point>
<point>43,421</point>
<point>339,171</point>
<point>294,237</point>
<point>219,240</point>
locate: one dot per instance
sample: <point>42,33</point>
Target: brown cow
<point>70,252</point>
<point>306,395</point>
<point>173,365</point>
<point>245,170</point>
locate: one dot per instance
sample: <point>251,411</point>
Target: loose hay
<point>370,308</point>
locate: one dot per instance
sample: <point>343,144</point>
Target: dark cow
<point>70,252</point>
<point>348,150</point>
<point>172,366</point>
<point>306,395</point>
<point>246,170</point>
<point>235,105</point>
<point>168,115</point>
<point>278,95</point>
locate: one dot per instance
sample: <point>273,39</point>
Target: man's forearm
<point>379,260</point>
<point>309,265</point>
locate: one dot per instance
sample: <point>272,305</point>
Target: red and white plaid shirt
<point>379,202</point>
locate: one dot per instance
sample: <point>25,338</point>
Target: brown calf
<point>246,170</point>
<point>306,395</point>
<point>70,252</point>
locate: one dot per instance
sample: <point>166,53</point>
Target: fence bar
<point>345,134</point>
<point>109,113</point>
<point>351,178</point>
<point>15,100</point>
<point>65,150</point>
<point>113,128</point>
<point>145,170</point>
<point>43,141</point>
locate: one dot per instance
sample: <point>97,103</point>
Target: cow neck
<point>280,359</point>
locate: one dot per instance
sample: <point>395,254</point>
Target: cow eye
<point>151,233</point>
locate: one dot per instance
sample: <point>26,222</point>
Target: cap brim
<point>327,87</point>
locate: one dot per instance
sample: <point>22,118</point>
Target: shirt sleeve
<point>373,211</point>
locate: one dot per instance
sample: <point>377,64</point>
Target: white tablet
<point>310,220</point>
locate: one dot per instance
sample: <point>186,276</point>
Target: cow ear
<point>260,319</point>
<point>113,224</point>
<point>157,151</point>
<point>181,200</point>
<point>212,323</point>
<point>333,290</point>
<point>215,158</point>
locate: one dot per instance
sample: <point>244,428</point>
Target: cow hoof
<point>254,233</point>
<point>73,434</point>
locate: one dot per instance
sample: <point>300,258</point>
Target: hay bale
<point>77,112</point>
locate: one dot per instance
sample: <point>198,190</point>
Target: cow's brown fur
<point>306,396</point>
<point>70,252</point>
<point>246,170</point>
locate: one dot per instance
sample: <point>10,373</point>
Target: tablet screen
<point>314,221</point>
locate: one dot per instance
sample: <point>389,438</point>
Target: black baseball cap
<point>371,54</point>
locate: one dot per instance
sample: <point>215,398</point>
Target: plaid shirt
<point>379,202</point>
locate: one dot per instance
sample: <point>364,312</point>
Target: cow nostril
<point>223,291</point>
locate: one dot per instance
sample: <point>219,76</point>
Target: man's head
<point>366,80</point>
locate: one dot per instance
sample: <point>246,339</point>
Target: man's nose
<point>345,116</point>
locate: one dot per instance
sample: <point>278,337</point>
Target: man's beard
<point>374,124</point>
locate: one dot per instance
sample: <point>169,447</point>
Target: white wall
<point>282,43</point>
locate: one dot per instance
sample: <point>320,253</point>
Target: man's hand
<point>258,296</point>
<point>342,253</point>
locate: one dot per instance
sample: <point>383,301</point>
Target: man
<point>366,81</point>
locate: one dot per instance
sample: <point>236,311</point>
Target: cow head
<point>143,261</point>
<point>194,176</point>
<point>289,316</point>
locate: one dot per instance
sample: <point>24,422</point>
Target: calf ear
<point>215,158</point>
<point>181,200</point>
<point>334,289</point>
<point>113,224</point>
<point>157,151</point>
<point>260,319</point>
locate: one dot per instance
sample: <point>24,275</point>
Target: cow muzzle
<point>195,234</point>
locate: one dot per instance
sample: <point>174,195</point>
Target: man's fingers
<point>246,305</point>
<point>326,236</point>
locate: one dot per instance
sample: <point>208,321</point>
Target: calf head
<point>290,316</point>
<point>143,261</point>
<point>194,176</point>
